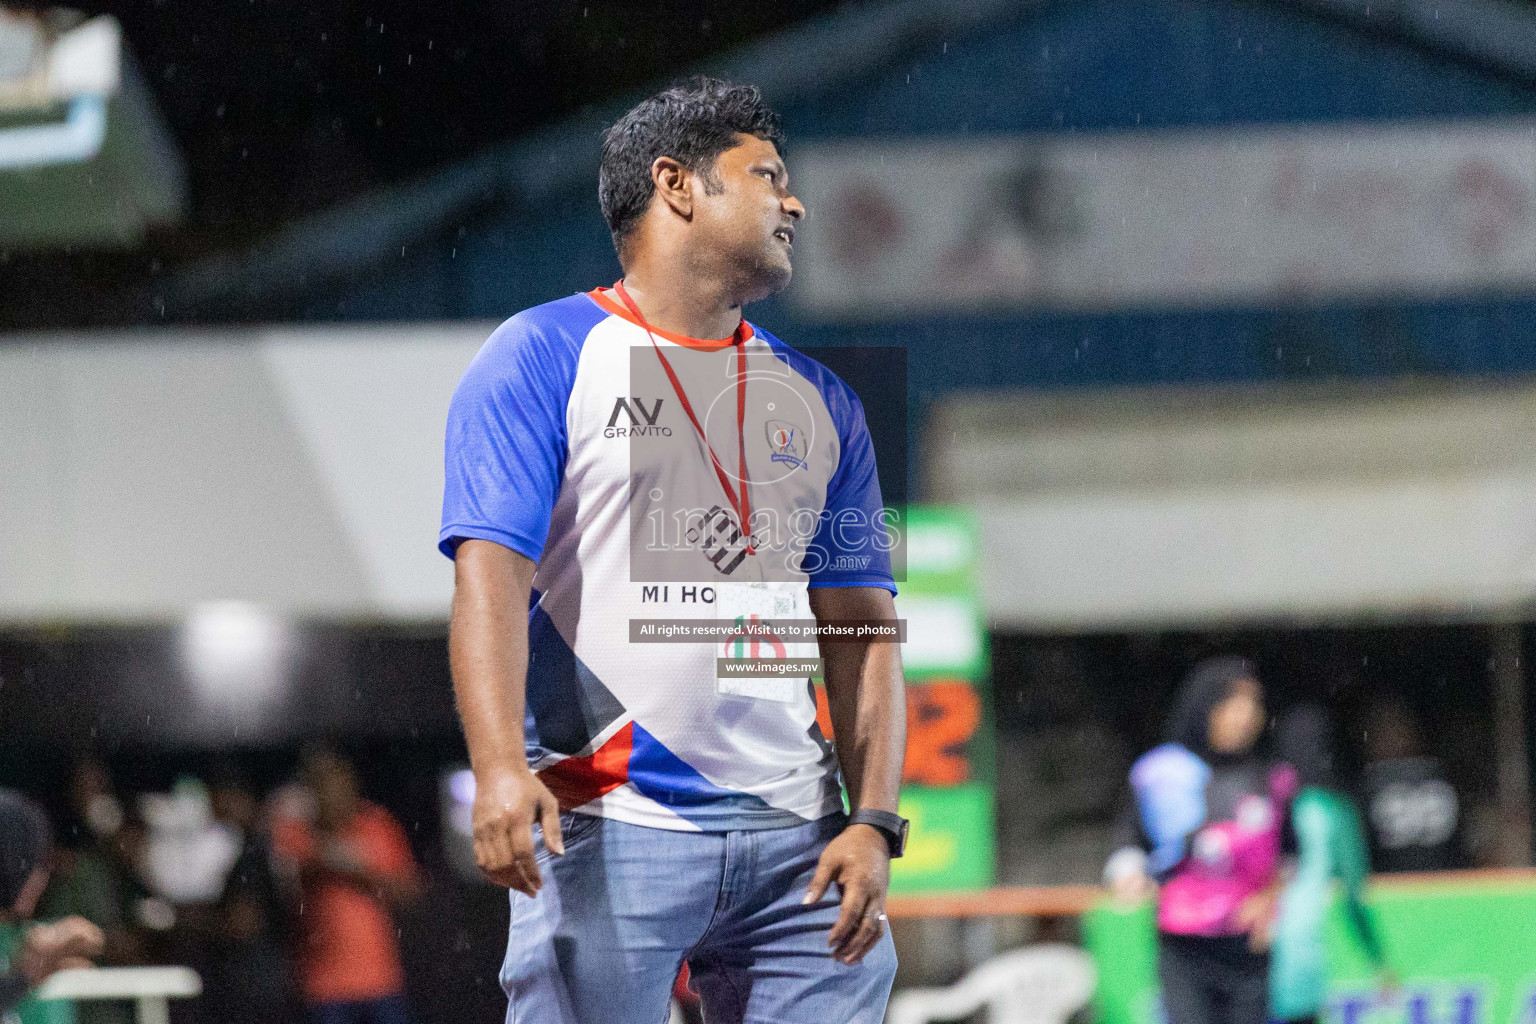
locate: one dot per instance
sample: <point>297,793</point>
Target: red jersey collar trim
<point>617,309</point>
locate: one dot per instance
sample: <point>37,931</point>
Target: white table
<point>151,988</point>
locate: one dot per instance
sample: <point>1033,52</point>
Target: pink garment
<point>1228,862</point>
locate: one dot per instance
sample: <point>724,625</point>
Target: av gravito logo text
<point>641,425</point>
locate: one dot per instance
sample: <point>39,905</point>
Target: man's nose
<point>794,207</point>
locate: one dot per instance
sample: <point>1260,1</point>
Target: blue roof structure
<point>521,225</point>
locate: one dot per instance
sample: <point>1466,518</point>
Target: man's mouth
<point>785,235</point>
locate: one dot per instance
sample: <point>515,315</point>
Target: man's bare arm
<point>488,652</point>
<point>866,696</point>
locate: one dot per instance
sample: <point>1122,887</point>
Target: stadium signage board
<point>1195,217</point>
<point>1462,948</point>
<point>947,784</point>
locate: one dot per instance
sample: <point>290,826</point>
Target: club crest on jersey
<point>787,442</point>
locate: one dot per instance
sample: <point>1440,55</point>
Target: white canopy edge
<point>1163,510</point>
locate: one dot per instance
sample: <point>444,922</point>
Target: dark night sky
<point>281,108</point>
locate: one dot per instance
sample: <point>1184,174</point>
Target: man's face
<point>750,219</point>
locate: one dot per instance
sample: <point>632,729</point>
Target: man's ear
<point>674,185</point>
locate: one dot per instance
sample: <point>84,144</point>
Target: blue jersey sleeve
<point>506,442</point>
<point>852,547</point>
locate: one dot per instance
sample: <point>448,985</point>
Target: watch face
<point>901,841</point>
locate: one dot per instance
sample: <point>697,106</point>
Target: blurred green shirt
<point>1330,848</point>
<point>30,1010</point>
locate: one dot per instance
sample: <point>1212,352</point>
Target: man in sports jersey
<point>641,452</point>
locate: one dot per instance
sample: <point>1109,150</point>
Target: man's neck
<point>680,303</point>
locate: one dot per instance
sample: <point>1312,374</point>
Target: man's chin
<point>762,275</point>
<point>772,278</point>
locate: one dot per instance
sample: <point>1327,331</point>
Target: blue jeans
<point>626,905</point>
<point>388,1010</point>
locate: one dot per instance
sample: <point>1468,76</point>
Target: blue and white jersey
<point>568,443</point>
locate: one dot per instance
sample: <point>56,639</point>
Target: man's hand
<point>507,803</point>
<point>48,948</point>
<point>859,861</point>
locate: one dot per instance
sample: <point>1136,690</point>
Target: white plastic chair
<point>1044,984</point>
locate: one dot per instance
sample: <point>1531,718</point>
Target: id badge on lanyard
<point>749,605</point>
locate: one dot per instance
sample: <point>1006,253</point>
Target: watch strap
<point>892,826</point>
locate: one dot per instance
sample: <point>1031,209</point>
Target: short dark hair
<point>693,123</point>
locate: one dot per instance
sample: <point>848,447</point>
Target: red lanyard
<point>742,506</point>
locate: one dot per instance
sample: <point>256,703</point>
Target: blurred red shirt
<point>348,947</point>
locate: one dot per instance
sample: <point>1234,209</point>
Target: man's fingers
<point>504,852</point>
<point>549,819</point>
<point>530,868</point>
<point>504,868</point>
<point>493,850</point>
<point>863,940</point>
<point>520,843</point>
<point>507,878</point>
<point>483,855</point>
<point>854,900</point>
<point>528,886</point>
<point>510,875</point>
<point>79,938</point>
<point>78,928</point>
<point>826,870</point>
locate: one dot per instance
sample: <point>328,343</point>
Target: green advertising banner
<point>1463,949</point>
<point>941,598</point>
<point>952,844</point>
<point>948,782</point>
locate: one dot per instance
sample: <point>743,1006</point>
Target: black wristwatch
<point>893,826</point>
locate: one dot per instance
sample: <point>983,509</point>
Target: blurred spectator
<point>353,866</point>
<point>148,918</point>
<point>1413,814</point>
<point>97,811</point>
<point>248,976</point>
<point>83,881</point>
<point>190,853</point>
<point>87,879</point>
<point>1205,832</point>
<point>31,955</point>
<point>1330,844</point>
<point>186,860</point>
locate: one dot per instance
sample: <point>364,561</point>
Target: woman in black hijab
<point>1207,832</point>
